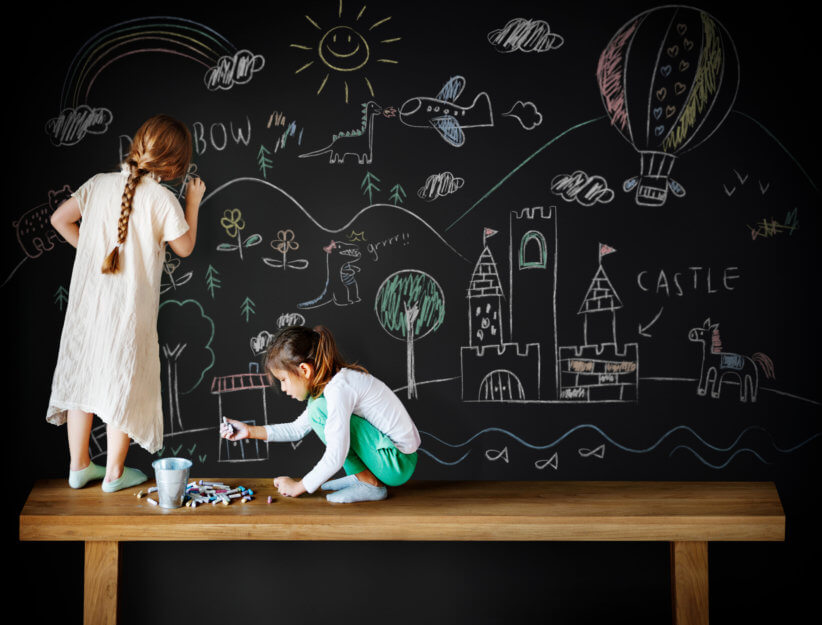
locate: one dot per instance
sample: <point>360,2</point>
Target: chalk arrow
<point>295,444</point>
<point>740,178</point>
<point>643,330</point>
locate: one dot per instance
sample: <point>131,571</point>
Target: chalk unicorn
<point>719,367</point>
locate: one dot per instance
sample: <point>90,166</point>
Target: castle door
<point>501,385</point>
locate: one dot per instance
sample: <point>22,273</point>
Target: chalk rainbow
<point>163,34</point>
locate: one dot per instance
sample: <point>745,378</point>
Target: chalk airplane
<point>444,115</point>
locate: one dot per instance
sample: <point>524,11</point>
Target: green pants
<point>369,448</point>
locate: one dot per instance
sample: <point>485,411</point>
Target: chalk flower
<point>232,222</point>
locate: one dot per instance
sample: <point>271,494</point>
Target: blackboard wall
<point>562,314</point>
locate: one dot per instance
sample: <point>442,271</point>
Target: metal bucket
<point>172,476</point>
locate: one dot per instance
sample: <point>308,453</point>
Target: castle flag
<point>604,250</point>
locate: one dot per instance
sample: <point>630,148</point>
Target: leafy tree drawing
<point>369,186</point>
<point>409,306</point>
<point>185,336</point>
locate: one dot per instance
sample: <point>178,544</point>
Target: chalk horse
<point>719,367</point>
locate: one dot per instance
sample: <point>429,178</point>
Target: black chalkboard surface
<point>603,214</point>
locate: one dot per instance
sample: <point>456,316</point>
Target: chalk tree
<point>185,336</point>
<point>409,306</point>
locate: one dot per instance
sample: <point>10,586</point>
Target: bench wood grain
<point>686,514</point>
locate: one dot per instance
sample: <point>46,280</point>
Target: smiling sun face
<point>343,48</point>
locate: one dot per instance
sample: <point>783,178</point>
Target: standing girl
<point>362,423</point>
<point>109,362</point>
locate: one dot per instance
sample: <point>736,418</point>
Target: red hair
<point>161,146</point>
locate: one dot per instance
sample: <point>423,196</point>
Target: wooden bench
<point>686,514</point>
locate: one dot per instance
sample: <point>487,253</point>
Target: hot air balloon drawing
<point>668,78</point>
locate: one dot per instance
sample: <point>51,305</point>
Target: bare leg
<point>369,478</point>
<point>117,442</point>
<point>78,426</point>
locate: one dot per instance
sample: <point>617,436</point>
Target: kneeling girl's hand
<point>240,430</point>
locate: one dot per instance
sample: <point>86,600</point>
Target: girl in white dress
<point>108,363</point>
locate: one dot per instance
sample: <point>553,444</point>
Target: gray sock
<point>358,492</point>
<point>342,482</point>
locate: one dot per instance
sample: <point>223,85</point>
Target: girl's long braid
<point>112,262</point>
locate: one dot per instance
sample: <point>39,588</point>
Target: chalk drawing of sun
<point>343,49</point>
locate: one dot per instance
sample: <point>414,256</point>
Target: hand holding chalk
<point>233,430</point>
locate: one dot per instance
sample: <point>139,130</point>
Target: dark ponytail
<point>294,345</point>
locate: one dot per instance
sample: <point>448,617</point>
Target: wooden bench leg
<point>689,583</point>
<point>102,576</point>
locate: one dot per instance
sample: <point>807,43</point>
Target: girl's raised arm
<point>184,245</point>
<point>65,219</point>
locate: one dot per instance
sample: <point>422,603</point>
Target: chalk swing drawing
<point>719,367</point>
<point>668,79</point>
<point>245,383</point>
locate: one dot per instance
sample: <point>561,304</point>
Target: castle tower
<point>491,369</point>
<point>600,298</point>
<point>485,297</point>
<point>532,277</point>
<point>599,369</point>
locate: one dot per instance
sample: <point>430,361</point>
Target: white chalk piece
<point>153,489</point>
<point>152,502</point>
<point>228,426</point>
<point>141,494</point>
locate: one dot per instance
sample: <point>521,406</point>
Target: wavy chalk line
<point>329,230</point>
<point>629,449</point>
<point>428,453</point>
<point>719,466</point>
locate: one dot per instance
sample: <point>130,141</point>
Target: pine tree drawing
<point>247,308</point>
<point>397,194</point>
<point>61,297</point>
<point>369,186</point>
<point>263,161</point>
<point>212,281</point>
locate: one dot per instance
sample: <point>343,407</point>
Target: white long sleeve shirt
<point>350,392</point>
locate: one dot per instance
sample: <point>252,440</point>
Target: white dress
<point>109,358</point>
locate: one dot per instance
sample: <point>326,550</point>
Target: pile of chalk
<point>201,492</point>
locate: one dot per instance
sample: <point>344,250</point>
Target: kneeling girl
<point>363,424</point>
